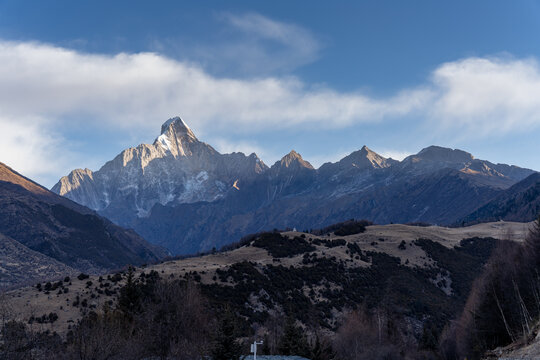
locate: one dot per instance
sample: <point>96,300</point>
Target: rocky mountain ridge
<point>181,193</point>
<point>44,234</point>
<point>520,202</point>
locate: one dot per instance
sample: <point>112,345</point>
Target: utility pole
<point>254,348</point>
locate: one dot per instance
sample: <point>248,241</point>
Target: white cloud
<point>45,89</point>
<point>130,89</point>
<point>485,96</point>
<point>30,150</point>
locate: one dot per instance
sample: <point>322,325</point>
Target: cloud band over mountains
<point>45,89</point>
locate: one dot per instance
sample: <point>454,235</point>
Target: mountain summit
<point>177,125</point>
<point>293,160</point>
<point>438,153</point>
<point>366,158</point>
<point>176,137</point>
<point>177,168</point>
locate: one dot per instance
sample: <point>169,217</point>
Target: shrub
<point>281,246</point>
<point>349,227</point>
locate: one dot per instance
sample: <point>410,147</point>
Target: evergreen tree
<point>130,294</point>
<point>321,351</point>
<point>226,346</point>
<point>293,341</point>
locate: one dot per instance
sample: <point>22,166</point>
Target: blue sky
<point>80,81</point>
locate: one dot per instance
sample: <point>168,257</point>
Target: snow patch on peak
<point>164,142</point>
<point>194,186</point>
<point>176,129</point>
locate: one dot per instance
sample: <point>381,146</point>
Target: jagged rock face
<point>290,175</point>
<point>82,189</point>
<point>177,168</point>
<point>365,158</point>
<point>293,161</point>
<point>184,195</point>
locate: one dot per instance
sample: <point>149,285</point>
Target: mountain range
<point>180,193</point>
<point>44,235</point>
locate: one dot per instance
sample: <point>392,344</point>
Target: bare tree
<point>364,336</point>
<point>100,336</point>
<point>504,301</point>
<point>177,320</point>
<point>170,321</point>
<point>6,309</point>
<point>274,330</point>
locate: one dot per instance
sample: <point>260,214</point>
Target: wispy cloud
<point>270,45</point>
<point>248,45</point>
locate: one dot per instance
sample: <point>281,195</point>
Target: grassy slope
<point>319,282</point>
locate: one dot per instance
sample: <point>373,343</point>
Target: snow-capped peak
<point>176,137</point>
<point>178,125</point>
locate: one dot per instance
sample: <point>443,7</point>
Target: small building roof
<point>275,357</point>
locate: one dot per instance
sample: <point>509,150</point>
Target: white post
<point>254,349</point>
